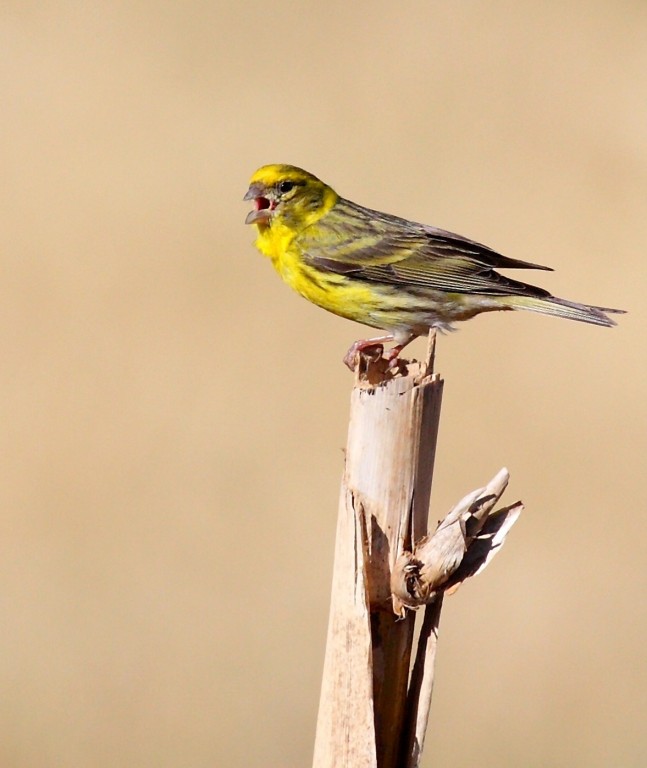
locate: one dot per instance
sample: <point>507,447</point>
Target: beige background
<point>173,416</point>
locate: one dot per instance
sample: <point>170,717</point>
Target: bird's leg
<point>350,358</point>
<point>393,353</point>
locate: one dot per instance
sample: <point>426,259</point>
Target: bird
<point>384,271</point>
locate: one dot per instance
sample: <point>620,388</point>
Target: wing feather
<point>377,247</point>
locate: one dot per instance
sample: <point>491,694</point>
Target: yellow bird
<point>384,271</point>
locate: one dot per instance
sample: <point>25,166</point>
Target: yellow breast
<point>333,292</point>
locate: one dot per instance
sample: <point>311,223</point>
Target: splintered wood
<point>373,711</point>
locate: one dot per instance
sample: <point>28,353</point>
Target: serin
<point>384,271</point>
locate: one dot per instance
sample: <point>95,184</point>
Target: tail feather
<point>571,310</point>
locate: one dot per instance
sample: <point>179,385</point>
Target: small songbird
<point>384,271</point>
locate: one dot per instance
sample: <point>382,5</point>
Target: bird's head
<point>288,194</point>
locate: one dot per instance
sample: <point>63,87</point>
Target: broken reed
<point>374,705</point>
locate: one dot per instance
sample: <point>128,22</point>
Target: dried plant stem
<point>421,686</point>
<point>371,715</point>
<point>383,509</point>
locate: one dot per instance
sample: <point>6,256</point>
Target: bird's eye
<point>285,186</point>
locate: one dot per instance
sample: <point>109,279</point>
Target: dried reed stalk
<point>373,712</point>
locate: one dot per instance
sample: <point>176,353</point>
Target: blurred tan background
<point>173,416</point>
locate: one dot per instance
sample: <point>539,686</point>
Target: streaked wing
<point>378,247</point>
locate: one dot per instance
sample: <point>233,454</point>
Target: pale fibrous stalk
<point>376,688</point>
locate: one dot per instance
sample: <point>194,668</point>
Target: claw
<point>363,345</point>
<point>376,347</point>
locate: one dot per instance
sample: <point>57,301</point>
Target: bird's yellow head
<point>287,195</point>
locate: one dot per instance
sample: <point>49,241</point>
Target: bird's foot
<point>372,348</point>
<point>392,355</point>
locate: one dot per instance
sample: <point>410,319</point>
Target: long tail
<point>571,310</point>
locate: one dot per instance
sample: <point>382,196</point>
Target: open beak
<point>263,205</point>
